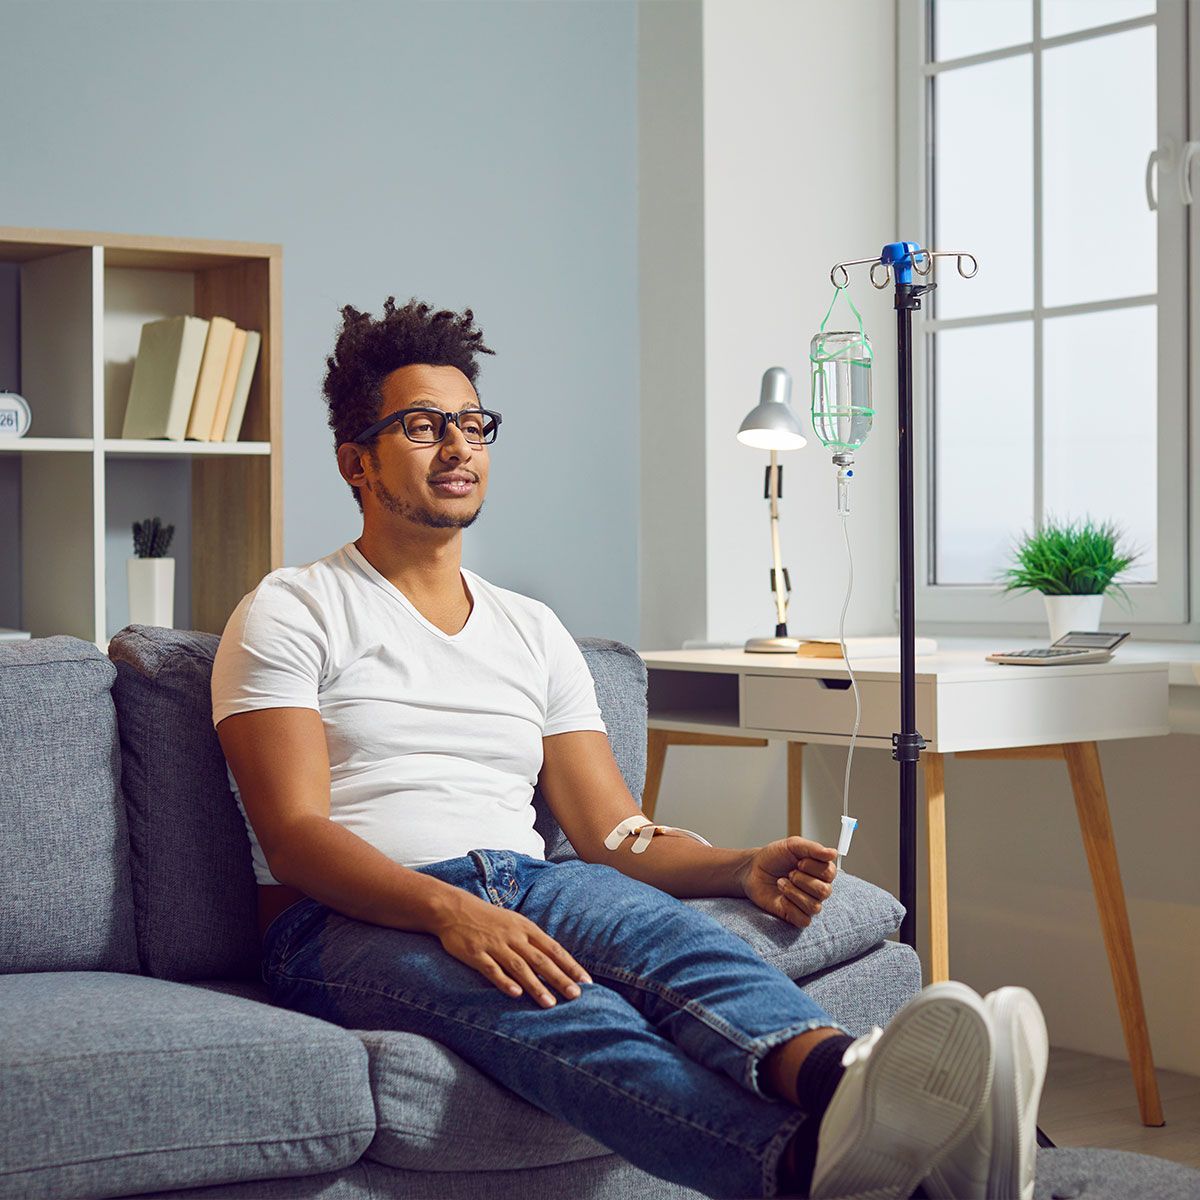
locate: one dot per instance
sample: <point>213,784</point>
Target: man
<point>386,714</point>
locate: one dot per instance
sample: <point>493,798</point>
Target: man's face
<point>441,484</point>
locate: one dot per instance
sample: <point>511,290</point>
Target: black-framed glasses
<point>429,425</point>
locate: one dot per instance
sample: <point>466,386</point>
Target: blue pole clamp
<point>899,256</point>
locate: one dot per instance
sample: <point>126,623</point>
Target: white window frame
<point>1160,609</point>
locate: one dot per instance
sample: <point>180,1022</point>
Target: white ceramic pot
<point>1066,613</point>
<point>152,591</point>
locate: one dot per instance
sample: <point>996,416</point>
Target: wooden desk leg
<point>795,788</point>
<point>657,741</point>
<point>934,766</point>
<point>1091,803</point>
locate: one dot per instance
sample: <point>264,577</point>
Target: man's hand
<point>507,949</point>
<point>790,878</point>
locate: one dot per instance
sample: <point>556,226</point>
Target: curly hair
<point>369,350</point>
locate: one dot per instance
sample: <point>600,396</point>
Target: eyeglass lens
<point>478,426</point>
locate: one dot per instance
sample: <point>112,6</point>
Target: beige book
<point>241,391</point>
<point>863,647</point>
<point>237,347</point>
<point>164,378</point>
<point>212,372</point>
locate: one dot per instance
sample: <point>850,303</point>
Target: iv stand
<point>899,260</point>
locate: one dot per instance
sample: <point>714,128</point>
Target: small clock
<point>15,416</point>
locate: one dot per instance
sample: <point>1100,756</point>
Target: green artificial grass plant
<point>1072,558</point>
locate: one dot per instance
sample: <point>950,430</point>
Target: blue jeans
<point>658,1059</point>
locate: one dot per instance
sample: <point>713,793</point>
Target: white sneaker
<point>996,1162</point>
<point>910,1094</point>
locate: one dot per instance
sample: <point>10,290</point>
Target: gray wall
<point>674,558</point>
<point>480,154</point>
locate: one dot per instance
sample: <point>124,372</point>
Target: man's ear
<point>350,463</point>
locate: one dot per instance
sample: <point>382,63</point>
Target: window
<point>1054,383</point>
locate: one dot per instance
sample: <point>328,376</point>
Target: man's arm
<point>280,760</point>
<point>587,795</point>
<point>281,763</point>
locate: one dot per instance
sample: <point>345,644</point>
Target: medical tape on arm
<point>645,830</point>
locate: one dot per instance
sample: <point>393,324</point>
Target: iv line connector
<point>907,747</point>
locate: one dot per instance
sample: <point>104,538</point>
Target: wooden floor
<point>1089,1101</point>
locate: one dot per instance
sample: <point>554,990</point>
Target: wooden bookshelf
<point>71,309</point>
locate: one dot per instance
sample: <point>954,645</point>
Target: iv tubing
<point>850,669</point>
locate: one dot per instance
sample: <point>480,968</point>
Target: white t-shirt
<point>435,739</point>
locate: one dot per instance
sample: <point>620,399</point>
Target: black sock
<point>816,1081</point>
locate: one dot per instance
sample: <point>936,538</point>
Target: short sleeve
<point>570,691</point>
<point>272,654</point>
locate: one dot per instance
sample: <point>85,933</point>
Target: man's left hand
<point>790,878</point>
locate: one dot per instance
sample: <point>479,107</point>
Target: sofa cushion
<point>65,900</point>
<point>868,990</point>
<point>435,1112</point>
<point>117,1084</point>
<point>856,917</point>
<point>620,678</point>
<point>193,884</point>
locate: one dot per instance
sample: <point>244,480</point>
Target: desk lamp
<point>773,425</point>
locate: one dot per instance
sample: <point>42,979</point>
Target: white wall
<point>798,172</point>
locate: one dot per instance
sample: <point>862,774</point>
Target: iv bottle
<point>841,388</point>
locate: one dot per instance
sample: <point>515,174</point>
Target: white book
<point>241,389</point>
<point>164,378</point>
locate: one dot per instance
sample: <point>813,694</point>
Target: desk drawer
<point>806,704</point>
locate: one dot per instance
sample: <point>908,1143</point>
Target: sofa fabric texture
<point>857,916</point>
<point>1062,1174</point>
<point>123,1083</point>
<point>65,902</point>
<point>193,883</point>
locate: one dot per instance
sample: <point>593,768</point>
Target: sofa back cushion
<point>620,678</point>
<point>65,902</point>
<point>193,883</point>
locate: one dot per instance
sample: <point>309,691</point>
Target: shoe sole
<point>1022,1047</point>
<point>924,1087</point>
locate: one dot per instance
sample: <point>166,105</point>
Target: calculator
<point>1078,646</point>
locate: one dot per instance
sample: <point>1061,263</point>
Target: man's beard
<point>423,516</point>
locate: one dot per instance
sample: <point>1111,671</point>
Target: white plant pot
<point>1066,613</point>
<point>152,591</point>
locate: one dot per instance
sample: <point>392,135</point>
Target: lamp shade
<point>772,424</point>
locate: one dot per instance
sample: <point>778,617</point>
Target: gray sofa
<point>137,1052</point>
<point>138,1055</point>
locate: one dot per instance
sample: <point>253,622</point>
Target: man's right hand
<point>507,949</point>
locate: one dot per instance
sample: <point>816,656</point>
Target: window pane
<point>962,27</point>
<point>983,185</point>
<point>1066,16</point>
<point>1100,236</point>
<point>984,448</point>
<point>1100,423</point>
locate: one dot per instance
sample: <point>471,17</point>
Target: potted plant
<point>152,575</point>
<point>1073,564</point>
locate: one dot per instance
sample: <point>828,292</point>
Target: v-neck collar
<point>388,586</point>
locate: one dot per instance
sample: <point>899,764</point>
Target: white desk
<point>965,706</point>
